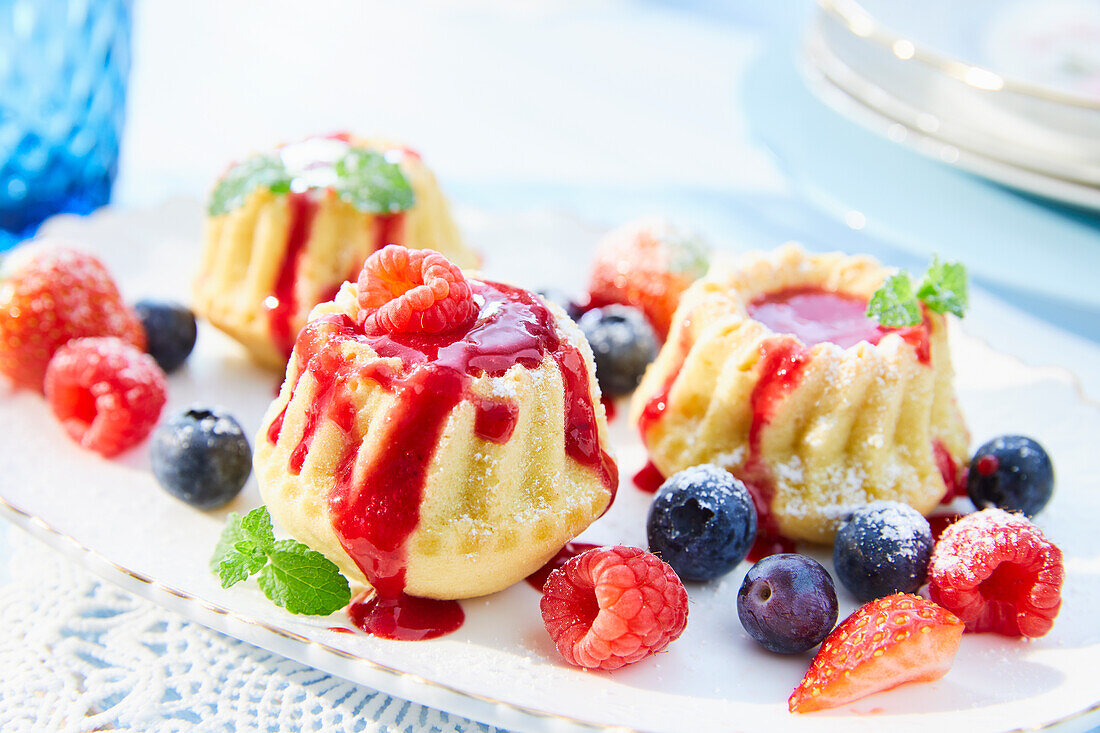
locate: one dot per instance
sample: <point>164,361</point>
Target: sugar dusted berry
<point>413,291</point>
<point>702,522</point>
<point>787,603</point>
<point>623,344</point>
<point>170,332</point>
<point>51,294</point>
<point>883,548</point>
<point>1013,473</point>
<point>997,572</point>
<point>890,641</point>
<point>201,456</point>
<point>647,264</point>
<point>612,606</point>
<point>107,394</point>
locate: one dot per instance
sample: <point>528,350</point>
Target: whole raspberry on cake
<point>437,435</point>
<point>773,370</point>
<point>285,229</point>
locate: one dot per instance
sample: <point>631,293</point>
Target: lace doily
<point>78,654</point>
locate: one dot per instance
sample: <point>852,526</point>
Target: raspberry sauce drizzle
<point>301,210</point>
<point>375,503</point>
<point>538,578</point>
<point>954,476</point>
<point>781,364</point>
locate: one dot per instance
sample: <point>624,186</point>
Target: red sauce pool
<point>818,316</point>
<point>609,407</point>
<point>405,618</point>
<point>375,503</point>
<point>538,578</point>
<point>649,479</point>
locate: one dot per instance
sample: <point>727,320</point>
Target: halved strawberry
<point>49,295</point>
<point>890,641</point>
<point>647,264</point>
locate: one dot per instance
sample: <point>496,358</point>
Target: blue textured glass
<point>63,71</point>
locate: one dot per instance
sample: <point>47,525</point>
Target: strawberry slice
<point>413,291</point>
<point>890,641</point>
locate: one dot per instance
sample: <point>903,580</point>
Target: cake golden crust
<point>815,429</point>
<point>492,510</point>
<point>298,247</point>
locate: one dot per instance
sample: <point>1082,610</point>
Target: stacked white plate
<point>1009,89</point>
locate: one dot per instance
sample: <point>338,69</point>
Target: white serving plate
<point>987,77</point>
<point>500,667</point>
<point>923,114</point>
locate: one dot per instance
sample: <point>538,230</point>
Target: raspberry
<point>612,606</point>
<point>106,393</point>
<point>646,264</point>
<point>413,291</point>
<point>997,572</point>
<point>53,294</point>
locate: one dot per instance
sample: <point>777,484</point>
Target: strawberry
<point>646,264</point>
<point>50,295</point>
<point>888,642</point>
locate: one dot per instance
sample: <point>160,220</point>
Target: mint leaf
<point>233,568</point>
<point>265,171</point>
<point>231,535</point>
<point>303,581</point>
<point>256,527</point>
<point>943,289</point>
<point>372,184</point>
<point>895,304</point>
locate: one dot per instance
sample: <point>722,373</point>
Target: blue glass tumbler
<point>63,71</point>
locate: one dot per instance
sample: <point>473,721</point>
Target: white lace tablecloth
<point>78,654</point>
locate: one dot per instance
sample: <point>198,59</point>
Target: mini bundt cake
<point>285,229</point>
<point>437,435</point>
<point>773,371</point>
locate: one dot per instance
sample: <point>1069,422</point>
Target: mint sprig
<point>291,575</point>
<point>942,290</point>
<point>895,303</point>
<point>372,184</point>
<point>239,181</point>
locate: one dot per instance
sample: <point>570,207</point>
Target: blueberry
<point>1013,473</point>
<point>787,603</point>
<point>623,344</point>
<point>169,332</point>
<point>202,457</point>
<point>883,548</point>
<point>702,522</point>
<point>561,299</point>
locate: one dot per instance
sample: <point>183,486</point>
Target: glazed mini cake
<point>773,371</point>
<point>436,436</point>
<point>285,229</point>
